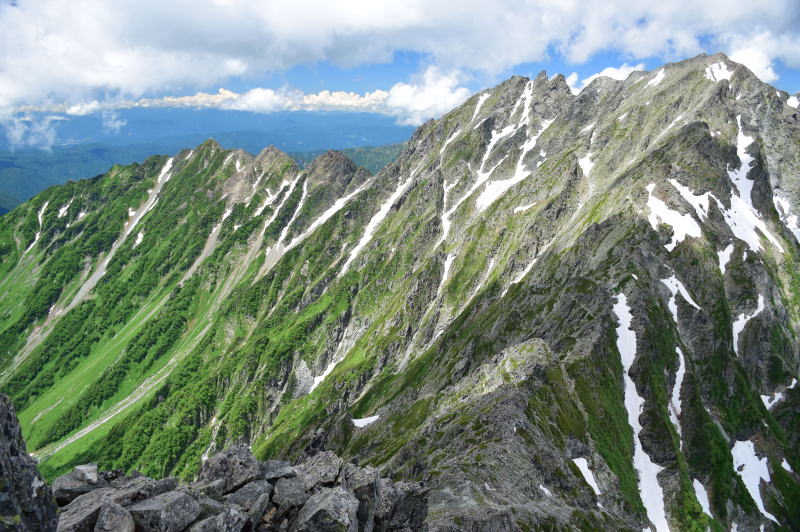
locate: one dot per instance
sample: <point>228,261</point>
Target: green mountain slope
<point>557,311</point>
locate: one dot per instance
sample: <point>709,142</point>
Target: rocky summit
<point>554,310</point>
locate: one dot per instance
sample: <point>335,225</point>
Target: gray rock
<point>204,488</point>
<point>333,509</point>
<point>132,490</point>
<point>321,469</point>
<point>26,502</point>
<point>81,514</point>
<point>275,469</point>
<point>168,512</point>
<point>210,507</point>
<point>229,520</point>
<point>236,466</point>
<point>411,506</point>
<point>364,483</point>
<point>114,518</point>
<point>67,487</point>
<point>289,493</point>
<point>384,505</point>
<point>257,510</point>
<point>247,495</point>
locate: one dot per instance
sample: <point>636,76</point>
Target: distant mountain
<point>556,311</point>
<point>86,149</point>
<point>373,158</point>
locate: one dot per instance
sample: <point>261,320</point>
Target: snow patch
<point>586,164</point>
<point>523,208</point>
<point>752,470</point>
<point>741,321</point>
<point>718,72</point>
<point>683,225</point>
<point>622,117</point>
<point>363,422</point>
<point>789,218</point>
<point>448,262</point>
<point>583,465</point>
<point>587,128</point>
<point>771,400</point>
<point>702,497</point>
<point>139,238</point>
<point>725,257</point>
<point>675,400</point>
<point>786,466</point>
<point>649,489</point>
<point>546,491</point>
<point>793,102</point>
<point>658,78</point>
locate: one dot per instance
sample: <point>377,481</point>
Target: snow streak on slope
<point>40,217</point>
<point>702,497</point>
<point>63,210</point>
<point>482,98</point>
<point>753,470</point>
<point>363,422</point>
<point>583,465</point>
<point>741,321</point>
<point>787,214</point>
<point>658,78</point>
<point>649,489</point>
<point>376,220</point>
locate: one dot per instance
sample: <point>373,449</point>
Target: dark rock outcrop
<point>26,501</point>
<point>236,492</point>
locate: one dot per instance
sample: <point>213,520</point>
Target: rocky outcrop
<point>26,502</point>
<point>235,492</point>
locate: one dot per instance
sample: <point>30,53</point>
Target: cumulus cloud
<point>29,131</point>
<point>78,54</point>
<point>621,72</point>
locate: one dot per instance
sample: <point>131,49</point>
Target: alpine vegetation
<point>551,311</point>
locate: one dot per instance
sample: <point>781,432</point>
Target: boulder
<point>384,505</point>
<point>26,502</point>
<point>235,466</point>
<point>204,488</point>
<point>114,518</point>
<point>411,506</point>
<point>81,514</point>
<point>289,493</point>
<point>228,520</point>
<point>257,510</point>
<point>364,483</point>
<point>82,479</point>
<point>210,507</point>
<point>321,469</point>
<point>274,469</point>
<point>333,509</point>
<point>247,495</point>
<point>169,512</point>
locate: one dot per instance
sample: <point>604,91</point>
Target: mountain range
<point>555,311</point>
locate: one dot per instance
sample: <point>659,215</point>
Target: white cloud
<point>621,72</point>
<point>31,131</point>
<point>431,96</point>
<point>77,54</point>
<point>757,61</point>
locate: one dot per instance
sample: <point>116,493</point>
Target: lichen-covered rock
<point>26,502</point>
<point>228,520</point>
<point>114,518</point>
<point>236,466</point>
<point>274,469</point>
<point>321,469</point>
<point>169,512</point>
<point>247,495</point>
<point>333,509</point>
<point>289,493</point>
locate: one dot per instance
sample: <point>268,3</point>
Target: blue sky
<point>411,60</point>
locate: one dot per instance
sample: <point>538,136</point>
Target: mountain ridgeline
<point>556,311</point>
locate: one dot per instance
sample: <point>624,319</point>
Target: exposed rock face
<point>320,494</point>
<point>26,502</point>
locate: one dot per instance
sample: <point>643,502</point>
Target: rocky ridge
<point>233,492</point>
